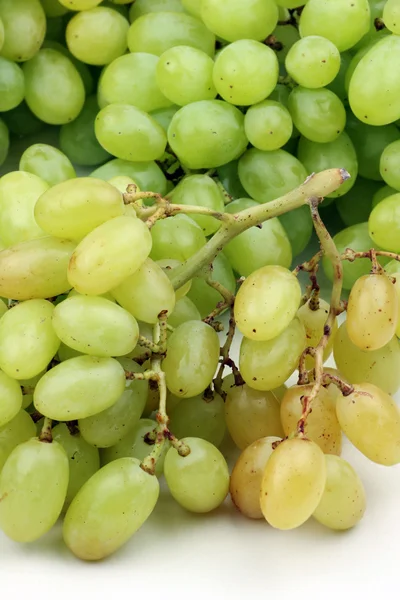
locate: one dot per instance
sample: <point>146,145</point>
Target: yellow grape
<point>293,483</point>
<point>372,312</point>
<point>314,322</point>
<point>371,420</point>
<point>393,268</point>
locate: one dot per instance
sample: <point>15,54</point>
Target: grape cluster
<point>199,127</point>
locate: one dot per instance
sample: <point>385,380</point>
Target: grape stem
<point>45,434</point>
<point>351,255</point>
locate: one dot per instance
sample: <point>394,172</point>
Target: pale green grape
<point>375,32</point>
<point>200,481</point>
<point>299,227</point>
<point>21,121</point>
<point>192,358</point>
<point>381,194</point>
<point>313,61</point>
<point>337,154</point>
<point>338,84</point>
<point>19,192</point>
<point>378,367</point>
<point>11,399</point>
<point>205,297</point>
<point>192,6</point>
<point>314,322</point>
<point>33,487</point>
<point>355,206</point>
<point>168,265</point>
<point>268,125</point>
<point>268,175</point>
<point>108,255</point>
<point>20,429</point>
<point>178,237</point>
<point>147,175</point>
<point>266,302</point>
<point>79,387</point>
<point>28,341</point>
<point>282,39</point>
<point>200,190</point>
<point>28,387</point>
<point>146,293</point>
<point>109,509</point>
<point>321,18</point>
<point>391,16</point>
<point>24,23</point>
<point>245,72</point>
<point>121,182</point>
<point>157,31</point>
<point>4,141</point>
<point>318,114</point>
<point>235,20</point>
<point>83,70</point>
<point>96,326</point>
<point>389,165</point>
<point>65,352</point>
<point>185,74</point>
<point>142,7</point>
<point>12,84</point>
<point>393,268</point>
<point>229,178</point>
<point>185,310</point>
<point>198,417</point>
<point>53,8</point>
<point>163,116</point>
<point>207,134</point>
<point>384,223</point>
<point>83,459</point>
<point>267,365</point>
<point>73,208</point>
<point>293,483</point>
<point>48,163</point>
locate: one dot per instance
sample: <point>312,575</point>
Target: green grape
<point>282,39</point>
<point>109,508</point>
<point>24,23</point>
<point>314,320</point>
<point>47,73</point>
<point>191,6</point>
<point>65,352</point>
<point>205,297</point>
<point>48,163</point>
<point>20,429</point>
<point>199,482</point>
<point>384,223</point>
<point>293,483</point>
<point>256,248</point>
<point>268,125</point>
<point>229,178</point>
<point>353,64</point>
<point>321,18</point>
<point>53,8</point>
<point>79,387</point>
<point>1,34</point>
<point>73,208</point>
<point>207,134</point>
<point>185,74</point>
<point>337,86</point>
<point>185,310</point>
<point>156,32</point>
<point>17,216</point>
<point>143,7</point>
<point>147,175</point>
<point>313,61</point>
<point>370,419</point>
<point>251,414</point>
<point>83,70</point>
<point>11,399</point>
<point>200,418</point>
<point>267,365</point>
<point>246,476</point>
<point>108,255</point>
<point>33,487</point>
<point>121,182</point>
<point>378,367</point>
<point>27,339</point>
<point>318,114</point>
<point>266,302</point>
<point>4,141</point>
<point>381,194</point>
<point>391,16</point>
<point>3,307</point>
<point>200,190</point>
<point>21,121</point>
<point>95,326</point>
<point>355,206</point>
<point>178,237</point>
<point>298,227</point>
<point>268,175</point>
<point>389,165</point>
<point>79,4</point>
<point>235,20</point>
<point>12,84</point>
<point>245,72</point>
<point>28,387</point>
<point>167,265</point>
<point>163,116</point>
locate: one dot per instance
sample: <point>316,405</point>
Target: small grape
<point>24,25</point>
<point>268,125</point>
<point>313,61</point>
<point>235,20</point>
<point>48,163</point>
<point>198,417</point>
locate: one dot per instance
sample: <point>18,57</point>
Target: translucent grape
<point>163,116</point>
<point>393,268</point>
<point>109,509</point>
<point>200,481</point>
<point>205,297</point>
<point>147,175</point>
<point>168,265</point>
<point>298,226</point>
<point>318,114</point>
<point>47,162</point>
<point>178,237</point>
<point>142,7</point>
<point>313,61</point>
<point>293,483</point>
<point>79,4</point>
<point>20,429</point>
<point>391,16</point>
<point>185,310</point>
<point>11,399</point>
<point>268,125</point>
<point>235,20</point>
<point>381,194</point>
<point>24,23</point>
<point>12,84</point>
<point>355,206</point>
<point>4,141</point>
<point>314,322</point>
<point>389,165</point>
<point>228,176</point>
<point>53,8</point>
<point>200,418</point>
<point>83,70</point>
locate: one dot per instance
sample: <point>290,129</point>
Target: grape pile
<point>209,133</point>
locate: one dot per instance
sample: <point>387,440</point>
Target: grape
<point>318,114</point>
<point>314,322</point>
<point>370,419</point>
<point>121,182</point>
<point>4,141</point>
<point>95,326</point>
<point>147,175</point>
<point>21,121</point>
<point>355,206</point>
<point>200,418</point>
<point>73,208</point>
<point>268,125</point>
<point>343,502</point>
<point>142,7</point>
<point>229,178</point>
<point>33,486</point>
<point>298,227</point>
<point>109,508</point>
<point>24,23</point>
<point>245,483</point>
<point>251,414</point>
<point>200,190</point>
<point>83,459</point>
<point>337,86</point>
<point>235,20</point>
<point>17,216</point>
<point>168,265</point>
<point>48,163</point>
<point>282,39</point>
<point>205,297</point>
<point>79,387</point>
<point>313,61</point>
<point>207,134</point>
<point>28,387</point>
<point>393,268</point>
<point>384,223</point>
<point>268,175</point>
<point>53,8</point>
<point>200,481</point>
<point>163,116</point>
<point>11,399</point>
<point>185,310</point>
<point>15,432</point>
<point>381,194</point>
<point>321,18</point>
<point>108,255</point>
<point>389,165</point>
<point>391,16</point>
<point>322,426</point>
<point>27,339</point>
<point>192,358</point>
<point>245,72</point>
<point>337,154</point>
<point>178,237</point>
<point>158,31</point>
<point>266,302</point>
<point>185,74</point>
<point>12,84</point>
<point>83,70</point>
<point>378,367</point>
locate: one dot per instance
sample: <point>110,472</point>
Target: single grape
<point>381,194</point>
<point>83,70</point>
<point>21,121</point>
<point>4,141</point>
<point>391,16</point>
<point>355,206</point>
<point>147,174</point>
<point>12,84</point>
<point>318,114</point>
<point>235,20</point>
<point>142,7</point>
<point>48,163</point>
<point>384,223</point>
<point>53,8</point>
<point>375,31</point>
<point>229,178</point>
<point>163,116</point>
<point>198,417</point>
<point>20,429</point>
<point>282,39</point>
<point>314,320</point>
<point>185,310</point>
<point>206,298</point>
<point>299,227</point>
<point>337,86</point>
<point>393,269</point>
<point>389,165</point>
<point>24,24</point>
<point>268,125</point>
<point>79,4</point>
<point>11,399</point>
<point>178,237</point>
<point>313,61</point>
<point>168,265</point>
